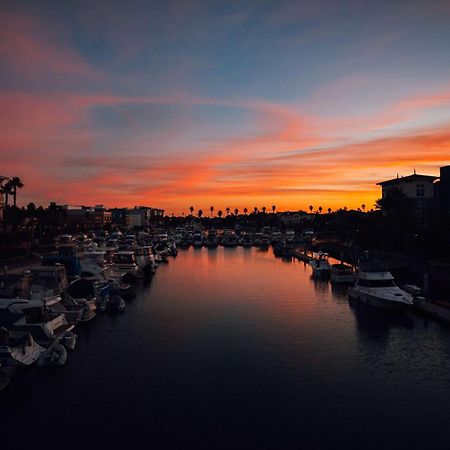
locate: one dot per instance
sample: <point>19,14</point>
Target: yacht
<point>320,264</point>
<point>211,239</point>
<point>342,273</point>
<point>197,240</point>
<point>49,283</point>
<point>42,320</point>
<point>124,262</point>
<point>377,287</point>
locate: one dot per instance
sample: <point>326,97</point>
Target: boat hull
<point>377,302</point>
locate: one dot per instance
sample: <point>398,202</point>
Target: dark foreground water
<point>233,348</point>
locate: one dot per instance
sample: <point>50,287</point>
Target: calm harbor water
<point>233,348</point>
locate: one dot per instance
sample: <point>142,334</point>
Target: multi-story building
<point>87,216</point>
<point>141,216</point>
<point>444,189</point>
<point>421,190</point>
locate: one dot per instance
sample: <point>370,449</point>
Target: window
<point>420,190</point>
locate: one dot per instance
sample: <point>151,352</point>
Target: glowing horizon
<point>210,104</point>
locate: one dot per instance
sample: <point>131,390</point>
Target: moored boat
<point>342,273</point>
<point>320,265</point>
<point>377,288</point>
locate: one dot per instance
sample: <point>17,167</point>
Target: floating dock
<point>434,311</point>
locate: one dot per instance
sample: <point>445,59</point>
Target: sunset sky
<point>224,103</point>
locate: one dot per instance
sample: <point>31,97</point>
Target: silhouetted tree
<point>200,213</point>
<point>227,209</point>
<point>255,210</point>
<point>191,209</point>
<point>245,211</point>
<point>211,209</point>
<point>263,209</point>
<point>311,207</point>
<point>329,210</point>
<point>15,183</point>
<point>6,190</point>
<point>320,210</point>
<point>219,213</point>
<point>363,207</point>
<point>273,208</point>
<point>236,211</point>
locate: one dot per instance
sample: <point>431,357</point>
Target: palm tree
<point>15,183</point>
<point>200,213</point>
<point>263,209</point>
<point>6,191</point>
<point>255,210</point>
<point>211,208</point>
<point>320,210</point>
<point>363,207</point>
<point>245,211</point>
<point>329,210</point>
<point>311,207</point>
<point>273,208</point>
<point>227,209</point>
<point>191,209</point>
<point>219,213</point>
<point>236,211</point>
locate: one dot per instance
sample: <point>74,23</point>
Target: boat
<point>416,292</point>
<point>145,261</point>
<point>320,264</point>
<point>197,240</point>
<point>124,263</point>
<point>50,282</point>
<point>211,239</point>
<point>342,273</point>
<point>376,286</point>
<point>43,320</point>
<point>18,348</point>
<point>230,239</point>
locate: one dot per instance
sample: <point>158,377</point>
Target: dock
<point>434,311</point>
<point>297,253</point>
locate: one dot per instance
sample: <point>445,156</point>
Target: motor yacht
<point>377,287</point>
<point>320,264</point>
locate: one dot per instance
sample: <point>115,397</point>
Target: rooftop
<point>409,178</point>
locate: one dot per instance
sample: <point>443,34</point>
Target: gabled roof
<point>409,178</point>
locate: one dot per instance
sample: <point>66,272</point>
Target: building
<point>87,216</point>
<point>444,189</point>
<point>141,216</point>
<point>422,190</point>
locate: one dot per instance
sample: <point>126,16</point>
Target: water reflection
<point>233,348</point>
<point>376,323</point>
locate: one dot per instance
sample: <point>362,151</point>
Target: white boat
<point>342,273</point>
<point>18,348</point>
<point>124,262</point>
<point>43,320</point>
<point>320,264</point>
<point>49,284</point>
<point>378,288</point>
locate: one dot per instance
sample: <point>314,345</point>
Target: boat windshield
<point>124,258</point>
<point>376,283</point>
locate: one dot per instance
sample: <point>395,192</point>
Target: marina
<point>261,360</point>
<point>225,225</point>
